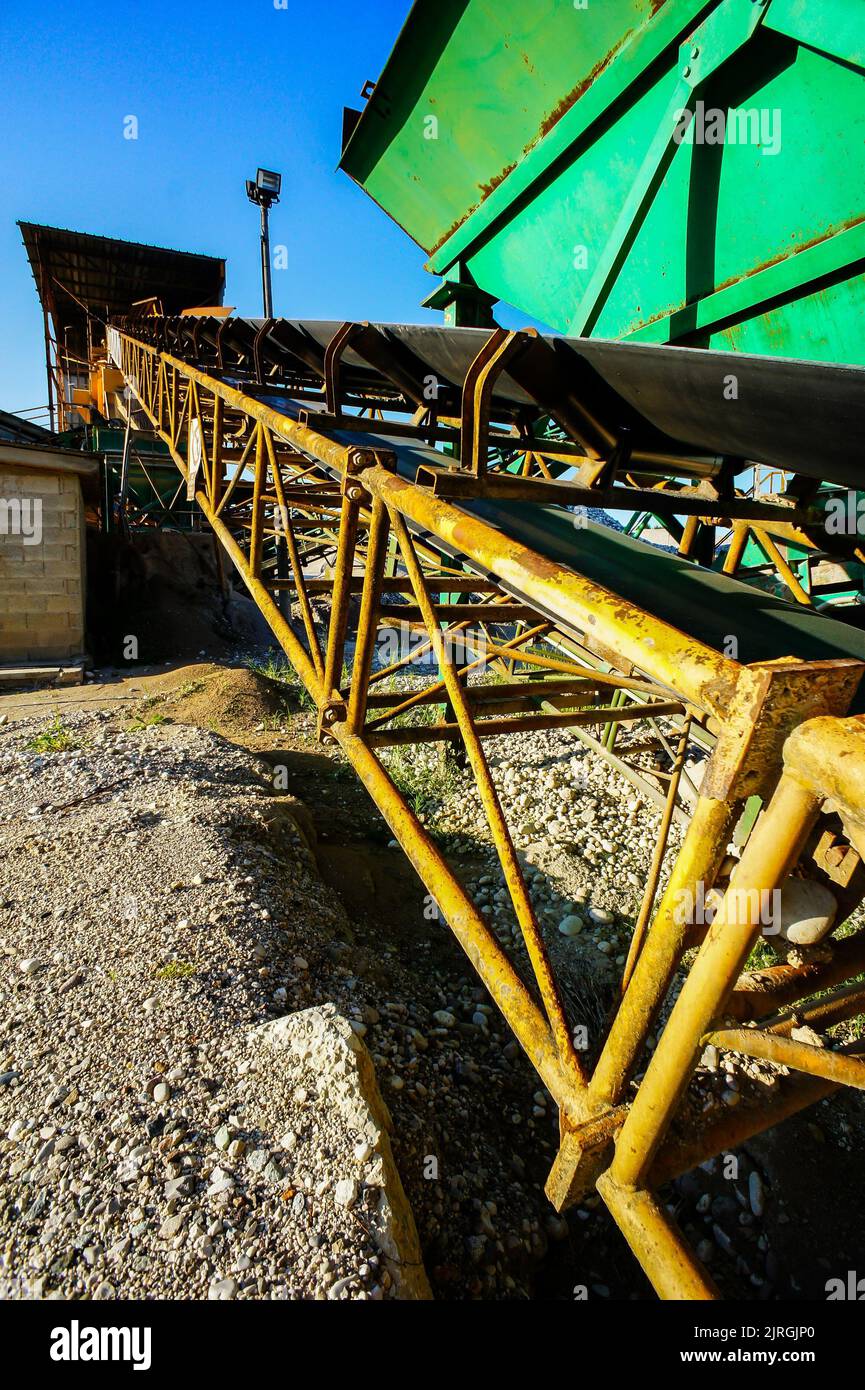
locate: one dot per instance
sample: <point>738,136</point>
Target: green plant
<point>135,726</point>
<point>55,738</point>
<point>275,668</point>
<point>175,970</point>
<point>425,784</point>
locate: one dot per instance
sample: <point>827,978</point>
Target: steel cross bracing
<point>273,467</point>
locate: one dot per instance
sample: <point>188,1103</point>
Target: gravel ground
<point>151,1146</point>
<point>158,905</point>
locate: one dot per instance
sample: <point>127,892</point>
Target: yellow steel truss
<point>778,731</point>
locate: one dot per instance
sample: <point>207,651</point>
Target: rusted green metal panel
<point>540,152</point>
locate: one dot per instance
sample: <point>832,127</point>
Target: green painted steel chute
<point>540,152</point>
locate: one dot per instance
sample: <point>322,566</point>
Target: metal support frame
<point>324,495</point>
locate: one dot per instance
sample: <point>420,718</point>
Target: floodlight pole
<point>265,261</point>
<point>264,190</point>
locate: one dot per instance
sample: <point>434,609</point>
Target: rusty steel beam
<point>778,731</point>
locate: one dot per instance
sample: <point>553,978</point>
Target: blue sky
<point>218,89</point>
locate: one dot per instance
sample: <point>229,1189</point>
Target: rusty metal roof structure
<point>77,274</point>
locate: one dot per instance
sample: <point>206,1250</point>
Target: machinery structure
<point>318,434</point>
<point>445,473</point>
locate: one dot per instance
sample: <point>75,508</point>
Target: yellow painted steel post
<point>788,1052</point>
<point>256,536</point>
<point>376,558</point>
<point>736,550</point>
<point>770,853</point>
<point>657,857</point>
<point>695,671</point>
<point>294,559</point>
<point>660,1247</point>
<point>498,825</point>
<point>465,921</point>
<point>697,863</point>
<point>766,543</point>
<point>341,591</point>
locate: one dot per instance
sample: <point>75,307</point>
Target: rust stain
<point>574,95</point>
<point>488,188</point>
<point>794,250</point>
<point>546,126</point>
<point>791,252</point>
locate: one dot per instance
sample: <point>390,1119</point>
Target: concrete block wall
<point>42,585</point>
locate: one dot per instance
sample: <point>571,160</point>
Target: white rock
<point>345,1192</point>
<point>807,912</point>
<point>571,925</point>
<point>600,915</point>
<point>755,1194</point>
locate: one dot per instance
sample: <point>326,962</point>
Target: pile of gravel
<point>154,898</point>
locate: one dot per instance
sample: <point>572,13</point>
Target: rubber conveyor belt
<point>701,603</point>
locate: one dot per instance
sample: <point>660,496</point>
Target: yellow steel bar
<point>480,945</point>
<point>736,548</point>
<point>329,451</point>
<point>294,559</point>
<point>216,468</point>
<point>662,1251</point>
<point>772,552</point>
<point>571,668</point>
<point>788,1052</point>
<point>340,597</point>
<point>689,536</point>
<point>256,537</point>
<point>491,727</point>
<point>495,817</point>
<point>828,754</point>
<point>688,667</point>
<point>761,992</point>
<point>421,696</point>
<point>657,857</point>
<point>727,1129</point>
<point>697,862</point>
<point>834,1007</point>
<point>225,496</point>
<point>367,620</point>
<point>769,854</point>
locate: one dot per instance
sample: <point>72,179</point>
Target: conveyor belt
<point>703,604</point>
<point>804,417</point>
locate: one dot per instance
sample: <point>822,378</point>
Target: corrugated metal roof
<point>77,273</point>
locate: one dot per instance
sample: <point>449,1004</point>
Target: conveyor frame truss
<point>315,478</point>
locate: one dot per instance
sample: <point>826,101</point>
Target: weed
<point>274,667</point>
<point>55,738</point>
<point>175,970</point>
<point>146,722</point>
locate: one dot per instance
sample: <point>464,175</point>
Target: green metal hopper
<point>563,156</point>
